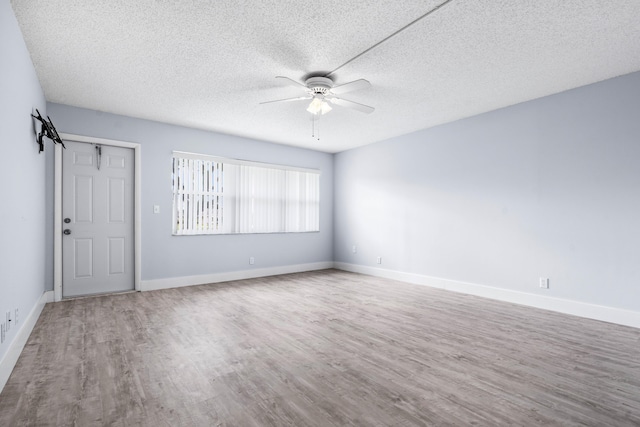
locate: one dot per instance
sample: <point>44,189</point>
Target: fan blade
<point>299,98</point>
<point>351,86</point>
<point>291,82</point>
<point>351,104</point>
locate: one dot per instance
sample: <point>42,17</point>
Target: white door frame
<point>57,216</point>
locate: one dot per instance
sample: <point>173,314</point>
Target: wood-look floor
<point>320,349</point>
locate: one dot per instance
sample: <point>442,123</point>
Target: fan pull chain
<point>315,134</point>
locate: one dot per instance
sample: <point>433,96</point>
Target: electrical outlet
<point>544,283</point>
<point>379,260</point>
<point>355,249</point>
<point>251,260</point>
<point>2,333</point>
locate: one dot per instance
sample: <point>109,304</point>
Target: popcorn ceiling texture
<point>208,64</point>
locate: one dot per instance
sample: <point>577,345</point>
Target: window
<point>213,195</point>
<point>197,194</point>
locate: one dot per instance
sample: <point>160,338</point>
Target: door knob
<point>67,231</point>
<point>67,220</point>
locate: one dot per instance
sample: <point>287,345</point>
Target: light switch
<point>156,209</point>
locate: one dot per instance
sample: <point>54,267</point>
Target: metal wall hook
<point>98,155</point>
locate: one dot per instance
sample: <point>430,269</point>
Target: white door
<point>98,219</point>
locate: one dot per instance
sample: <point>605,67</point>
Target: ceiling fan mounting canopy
<point>319,85</point>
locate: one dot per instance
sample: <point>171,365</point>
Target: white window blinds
<point>214,195</point>
<point>197,196</point>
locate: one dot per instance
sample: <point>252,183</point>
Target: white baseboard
<point>178,282</point>
<point>576,308</point>
<point>15,348</point>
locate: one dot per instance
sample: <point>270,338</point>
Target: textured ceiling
<point>208,64</point>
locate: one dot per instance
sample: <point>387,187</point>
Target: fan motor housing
<point>319,85</point>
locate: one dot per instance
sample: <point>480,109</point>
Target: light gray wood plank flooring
<point>320,349</point>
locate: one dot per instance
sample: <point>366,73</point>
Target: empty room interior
<point>389,213</point>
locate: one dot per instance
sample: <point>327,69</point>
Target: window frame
<point>230,202</point>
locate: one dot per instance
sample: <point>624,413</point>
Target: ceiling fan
<point>322,92</point>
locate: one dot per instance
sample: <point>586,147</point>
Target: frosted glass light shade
<point>318,106</point>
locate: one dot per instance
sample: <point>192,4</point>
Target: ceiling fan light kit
<point>318,106</point>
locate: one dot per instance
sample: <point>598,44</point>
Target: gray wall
<point>166,256</point>
<point>550,188</point>
<point>22,211</point>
